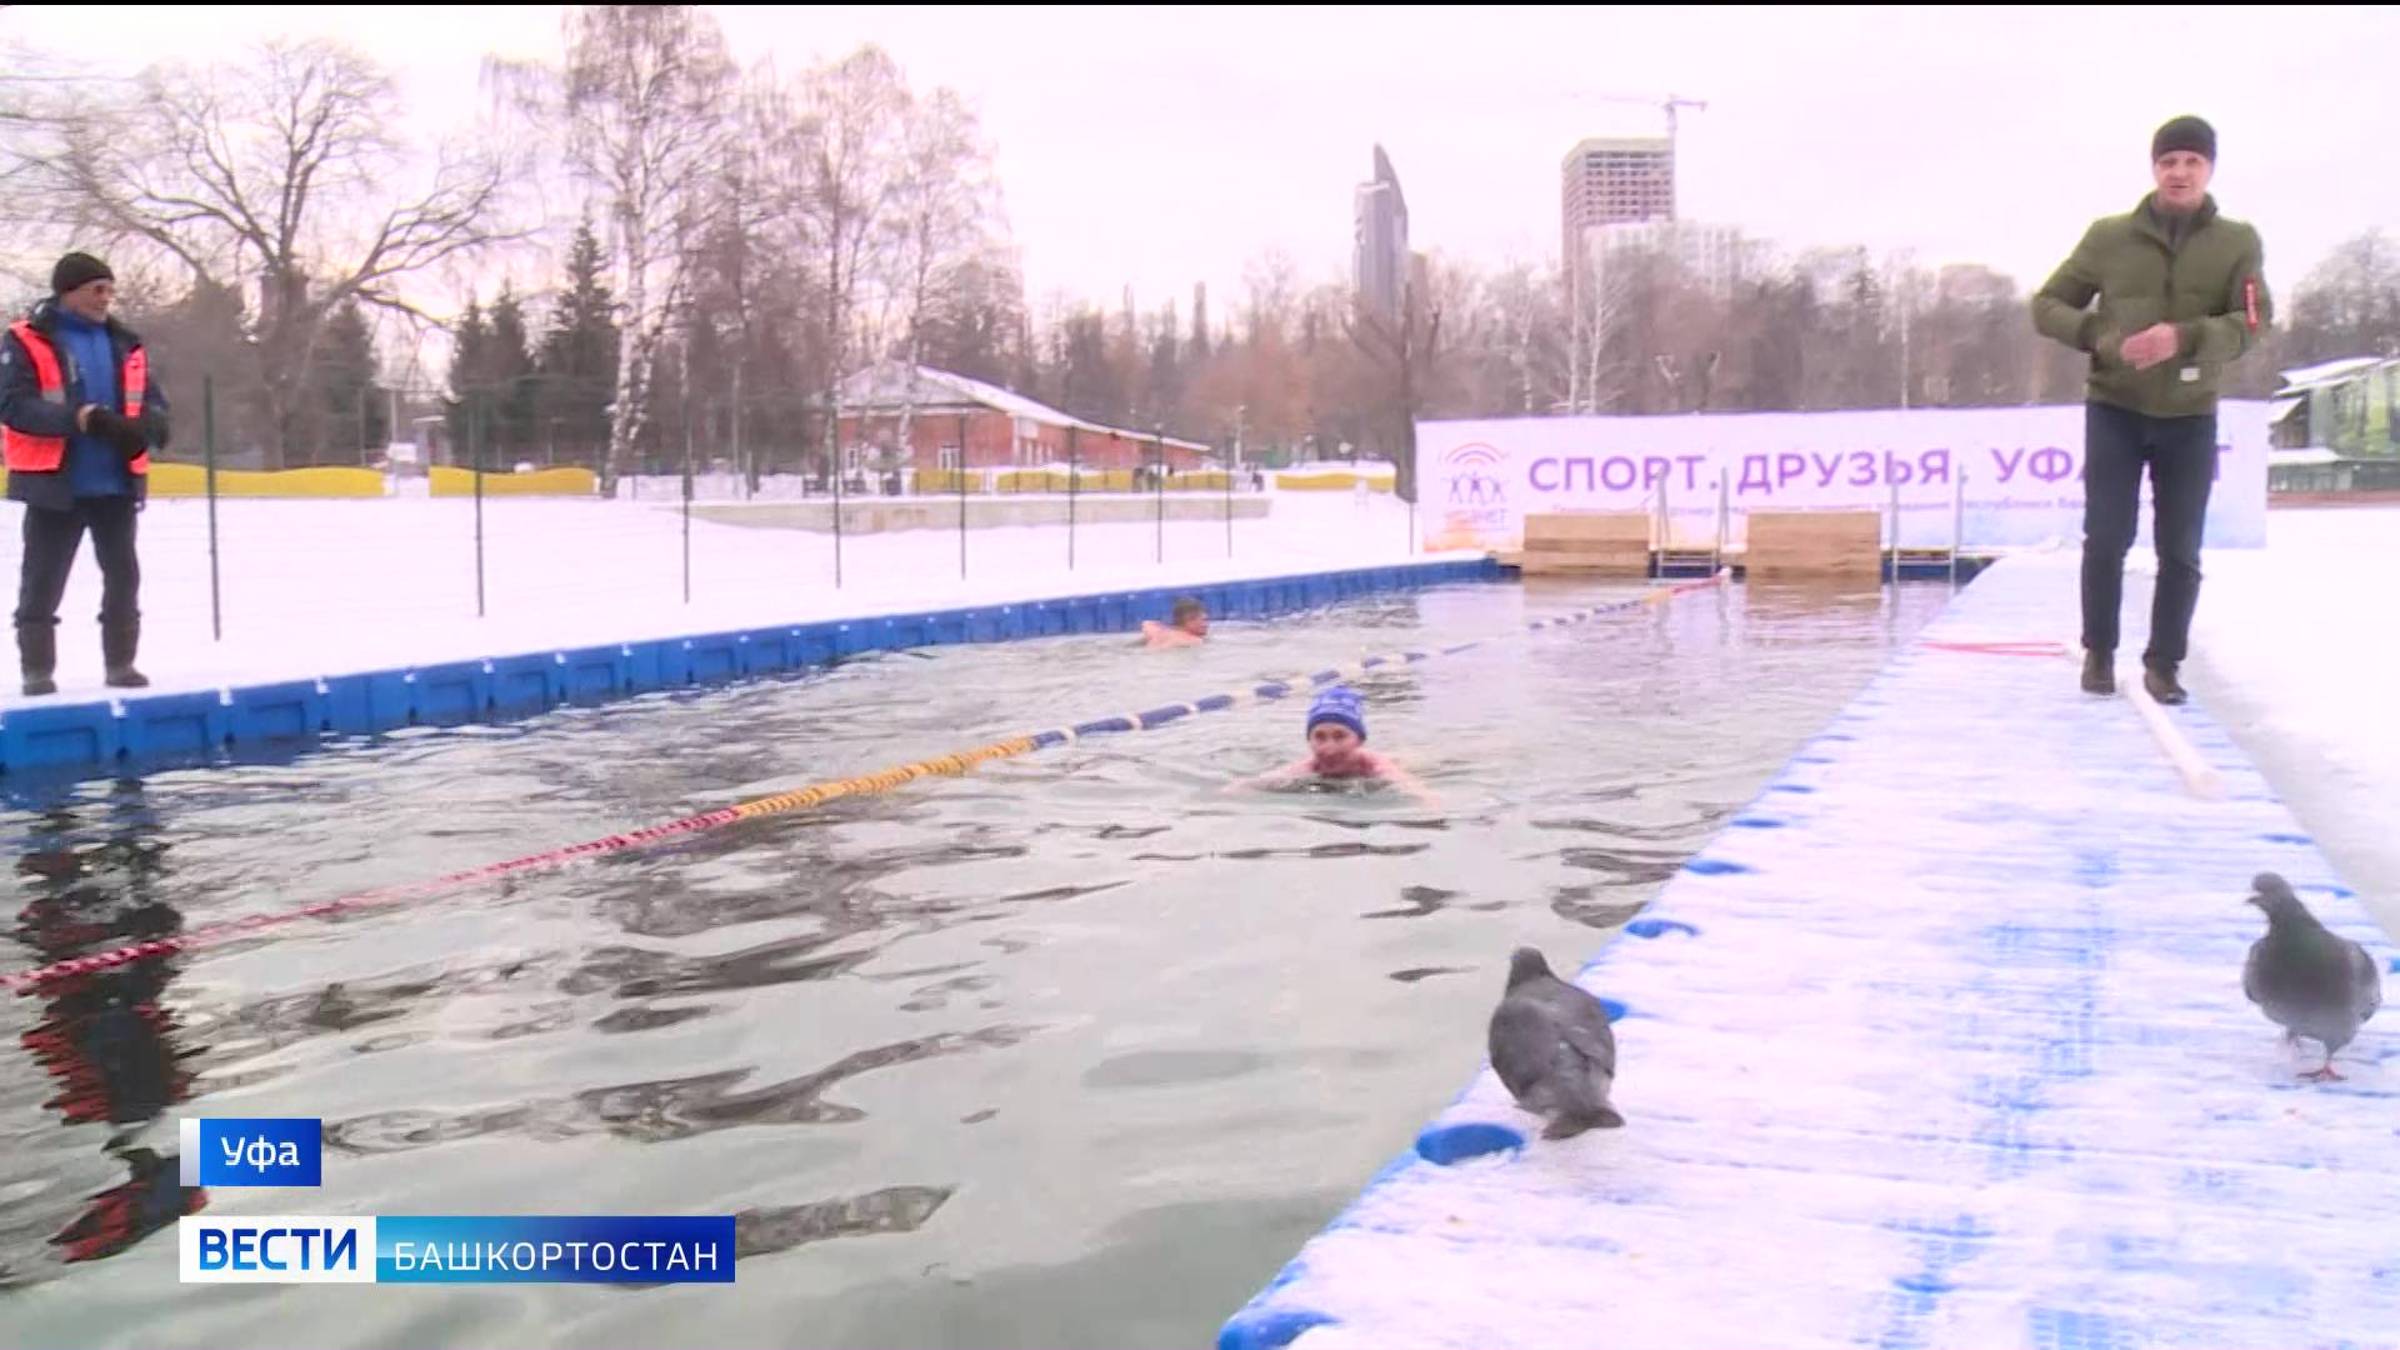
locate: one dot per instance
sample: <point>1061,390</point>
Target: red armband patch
<point>2250,301</point>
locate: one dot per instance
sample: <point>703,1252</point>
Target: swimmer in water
<point>1337,751</point>
<point>1187,626</point>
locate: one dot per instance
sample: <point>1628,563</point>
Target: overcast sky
<point>1157,148</point>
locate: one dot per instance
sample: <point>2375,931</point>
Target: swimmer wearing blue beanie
<point>1337,749</point>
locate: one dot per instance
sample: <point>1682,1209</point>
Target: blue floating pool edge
<point>124,737</point>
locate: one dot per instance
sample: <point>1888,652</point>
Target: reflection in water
<point>1150,1279</point>
<point>1414,974</point>
<point>1817,602</point>
<point>1674,832</point>
<point>634,972</point>
<point>1343,850</point>
<point>1158,1068</point>
<point>656,1112</point>
<point>1583,905</point>
<point>1630,868</point>
<point>1421,901</point>
<point>107,1039</point>
<point>650,1019</point>
<point>153,1197</point>
<point>894,1209</point>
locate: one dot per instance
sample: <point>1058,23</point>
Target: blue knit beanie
<point>1341,707</point>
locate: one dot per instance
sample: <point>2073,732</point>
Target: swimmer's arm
<point>1405,781</point>
<point>1156,634</point>
<point>1289,773</point>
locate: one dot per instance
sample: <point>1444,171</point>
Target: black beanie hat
<point>2185,133</point>
<point>77,270</point>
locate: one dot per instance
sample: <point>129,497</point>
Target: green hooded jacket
<point>2210,284</point>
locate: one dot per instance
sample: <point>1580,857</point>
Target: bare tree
<point>2349,304</point>
<point>640,107</point>
<point>1596,372</point>
<point>1272,279</point>
<point>941,198</point>
<point>23,87</point>
<point>271,179</point>
<point>1401,352</point>
<point>747,290</point>
<point>853,113</point>
<point>1539,362</point>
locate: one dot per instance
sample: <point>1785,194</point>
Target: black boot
<point>2099,672</point>
<point>118,641</point>
<point>2159,683</point>
<point>37,656</point>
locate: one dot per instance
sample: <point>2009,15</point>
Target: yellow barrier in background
<point>191,480</point>
<point>1109,480</point>
<point>946,481</point>
<point>451,481</point>
<point>1332,482</point>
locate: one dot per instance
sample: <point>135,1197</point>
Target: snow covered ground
<point>326,587</point>
<point>2292,649</point>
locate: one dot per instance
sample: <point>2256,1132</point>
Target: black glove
<point>118,430</point>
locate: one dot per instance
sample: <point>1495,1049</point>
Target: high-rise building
<point>1714,257</point>
<point>1379,260</point>
<point>1614,182</point>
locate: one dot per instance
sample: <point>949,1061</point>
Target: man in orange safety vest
<point>79,415</point>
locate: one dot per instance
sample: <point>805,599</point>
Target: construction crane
<point>1670,103</point>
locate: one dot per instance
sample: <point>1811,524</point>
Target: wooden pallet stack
<point>1843,544</point>
<point>1594,543</point>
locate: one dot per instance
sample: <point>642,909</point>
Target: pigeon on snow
<point>1552,1048</point>
<point>2309,980</point>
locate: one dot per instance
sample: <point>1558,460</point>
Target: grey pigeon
<point>2309,980</point>
<point>1552,1049</point>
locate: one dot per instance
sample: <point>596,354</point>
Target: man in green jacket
<point>2181,295</point>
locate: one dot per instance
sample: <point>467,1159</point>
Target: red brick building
<point>1003,430</point>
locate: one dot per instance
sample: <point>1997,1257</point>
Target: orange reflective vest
<point>26,453</point>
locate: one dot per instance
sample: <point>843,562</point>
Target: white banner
<point>1987,477</point>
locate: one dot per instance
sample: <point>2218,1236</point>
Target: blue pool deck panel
<point>62,740</point>
<point>1940,1043</point>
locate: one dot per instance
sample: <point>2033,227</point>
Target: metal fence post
<point>687,501</point>
<point>208,450</point>
<point>1958,526</point>
<point>834,462</point>
<point>475,457</point>
<point>1229,506</point>
<point>1895,532</point>
<point>1724,513</point>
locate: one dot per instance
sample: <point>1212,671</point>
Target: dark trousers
<point>2181,453</point>
<point>51,539</point>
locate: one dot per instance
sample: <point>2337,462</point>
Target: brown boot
<point>2159,682</point>
<point>37,657</point>
<point>2099,672</point>
<point>119,640</point>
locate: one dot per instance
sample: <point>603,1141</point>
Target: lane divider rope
<point>801,799</point>
<point>2200,778</point>
<point>2000,648</point>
